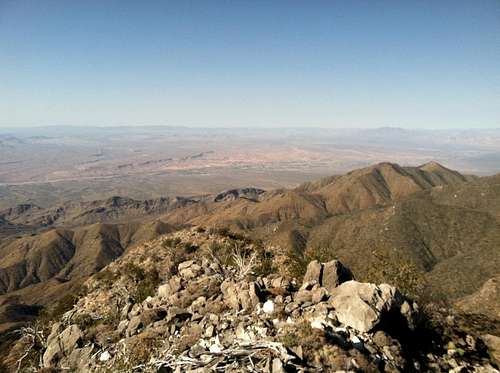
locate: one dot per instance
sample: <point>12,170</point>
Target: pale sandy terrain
<point>48,165</point>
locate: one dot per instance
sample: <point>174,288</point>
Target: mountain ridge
<point>352,216</point>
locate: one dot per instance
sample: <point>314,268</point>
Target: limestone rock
<point>62,345</point>
<point>328,275</point>
<point>362,305</point>
<point>334,273</point>
<point>240,295</point>
<point>492,342</point>
<point>313,272</point>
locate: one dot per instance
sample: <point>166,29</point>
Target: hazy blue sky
<point>420,64</point>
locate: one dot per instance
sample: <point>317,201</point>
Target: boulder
<point>61,345</point>
<point>362,305</point>
<point>492,342</point>
<point>80,358</point>
<point>313,272</point>
<point>334,274</point>
<point>189,269</point>
<point>240,295</point>
<point>171,287</point>
<point>328,275</point>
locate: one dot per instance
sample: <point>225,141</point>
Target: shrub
<point>265,263</point>
<point>226,232</point>
<point>146,282</point>
<point>106,277</point>
<point>62,306</point>
<point>298,261</point>
<point>189,247</point>
<point>402,273</point>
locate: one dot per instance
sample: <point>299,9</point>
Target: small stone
<point>105,356</point>
<point>268,306</point>
<point>318,294</point>
<point>317,324</point>
<point>209,331</point>
<point>277,366</point>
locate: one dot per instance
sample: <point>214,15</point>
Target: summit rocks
<point>202,315</point>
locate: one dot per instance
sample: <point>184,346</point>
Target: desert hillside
<point>431,231</point>
<point>204,301</point>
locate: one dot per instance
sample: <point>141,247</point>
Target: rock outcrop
<point>198,302</point>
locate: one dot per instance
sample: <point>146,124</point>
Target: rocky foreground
<point>198,301</point>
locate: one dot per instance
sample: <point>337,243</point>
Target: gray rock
<point>329,275</point>
<point>492,342</point>
<point>361,305</point>
<point>318,294</point>
<point>303,296</point>
<point>62,345</point>
<point>134,325</point>
<point>313,272</point>
<point>335,273</point>
<point>240,295</point>
<point>170,288</point>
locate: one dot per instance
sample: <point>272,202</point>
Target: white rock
<point>105,356</point>
<point>317,324</point>
<point>268,306</point>
<point>355,339</point>
<point>216,346</point>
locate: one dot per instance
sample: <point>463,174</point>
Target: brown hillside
<point>442,223</point>
<point>82,213</point>
<point>66,254</point>
<point>383,183</point>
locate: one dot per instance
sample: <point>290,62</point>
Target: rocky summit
<point>207,301</point>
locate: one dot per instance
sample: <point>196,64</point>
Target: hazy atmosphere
<point>411,64</point>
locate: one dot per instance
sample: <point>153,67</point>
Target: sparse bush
<point>226,232</point>
<point>84,321</point>
<point>301,334</point>
<point>298,261</point>
<point>401,273</point>
<point>62,306</point>
<point>167,243</point>
<point>265,264</point>
<point>189,247</point>
<point>244,261</point>
<point>106,277</point>
<point>146,282</point>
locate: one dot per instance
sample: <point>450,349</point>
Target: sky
<point>411,64</point>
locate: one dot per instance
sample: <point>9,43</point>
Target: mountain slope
<point>176,304</point>
<point>81,213</point>
<point>67,254</point>
<point>382,183</point>
<point>442,223</point>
